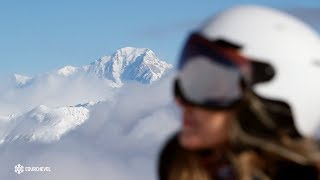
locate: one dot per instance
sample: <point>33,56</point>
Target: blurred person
<point>248,91</point>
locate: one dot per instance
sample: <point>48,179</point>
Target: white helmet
<point>291,47</point>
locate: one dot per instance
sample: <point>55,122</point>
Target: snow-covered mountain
<point>68,93</point>
<point>125,65</point>
<point>75,117</point>
<point>44,124</point>
<point>139,64</point>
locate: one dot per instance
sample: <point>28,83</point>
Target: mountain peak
<point>124,65</point>
<point>127,51</point>
<point>129,54</point>
<point>130,64</point>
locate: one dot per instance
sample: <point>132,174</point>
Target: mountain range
<point>49,122</point>
<point>125,65</point>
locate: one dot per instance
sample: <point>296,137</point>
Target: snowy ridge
<point>67,71</point>
<point>88,104</point>
<point>45,124</point>
<point>126,64</point>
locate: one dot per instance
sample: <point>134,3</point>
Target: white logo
<point>20,169</point>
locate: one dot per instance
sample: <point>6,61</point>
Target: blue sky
<point>37,36</point>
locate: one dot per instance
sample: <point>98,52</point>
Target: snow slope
<point>45,124</point>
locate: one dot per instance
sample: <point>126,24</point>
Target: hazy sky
<point>37,36</point>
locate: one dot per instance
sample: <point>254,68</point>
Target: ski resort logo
<point>19,169</point>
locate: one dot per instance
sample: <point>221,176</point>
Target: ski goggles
<point>212,74</point>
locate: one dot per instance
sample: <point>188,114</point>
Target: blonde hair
<point>255,160</point>
<point>188,168</point>
<point>302,150</point>
<point>177,163</point>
